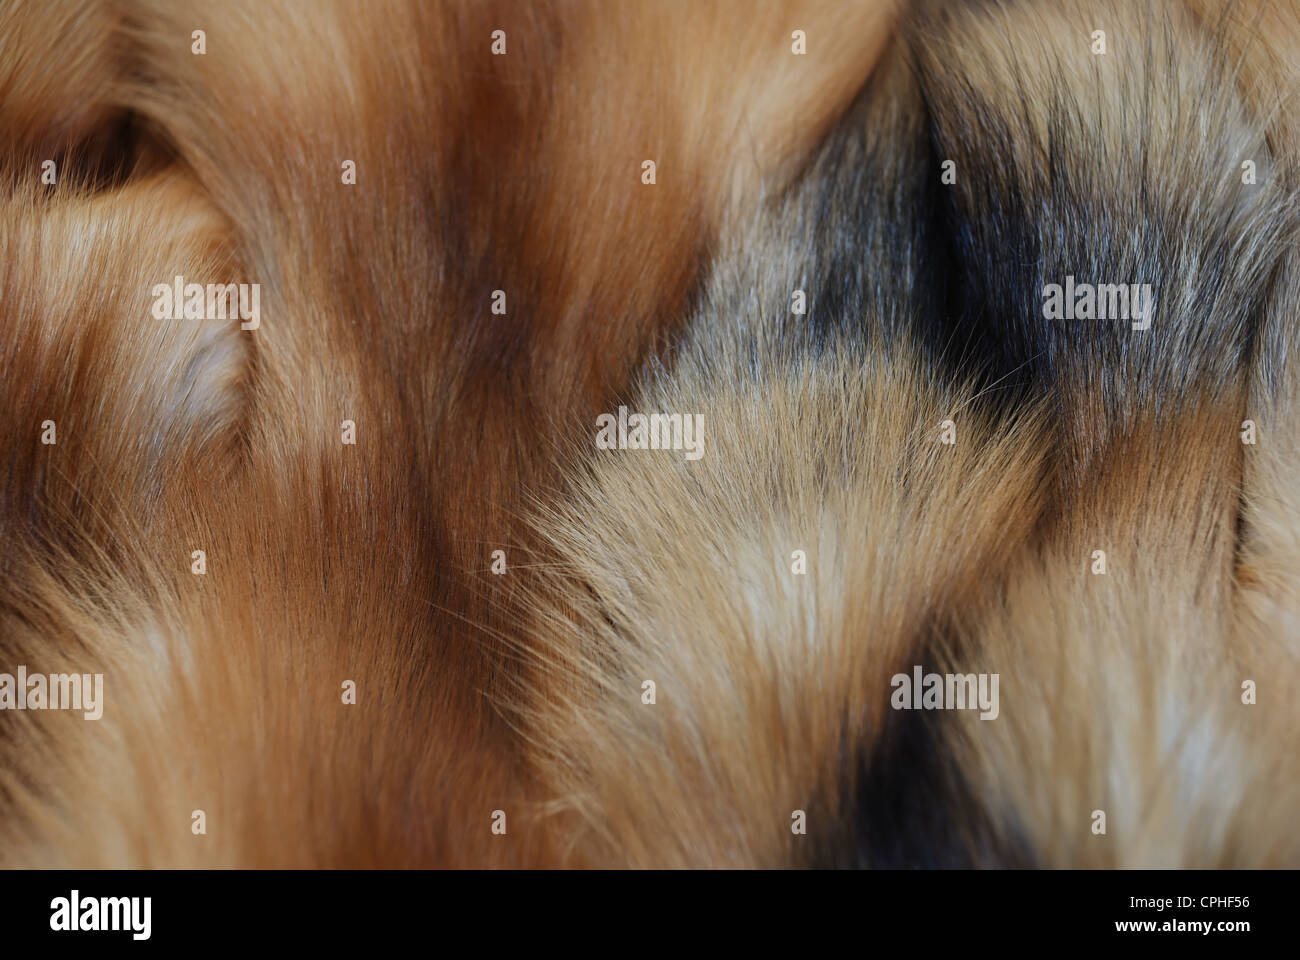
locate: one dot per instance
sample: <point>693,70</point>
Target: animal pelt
<point>367,587</point>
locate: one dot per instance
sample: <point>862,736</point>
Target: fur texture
<point>1128,686</point>
<point>823,432</point>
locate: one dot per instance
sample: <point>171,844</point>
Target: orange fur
<point>331,562</point>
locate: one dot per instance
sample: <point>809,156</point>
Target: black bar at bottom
<point>645,910</point>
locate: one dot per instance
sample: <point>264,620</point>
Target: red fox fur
<point>366,591</point>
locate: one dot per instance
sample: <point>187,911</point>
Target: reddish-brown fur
<point>367,562</point>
